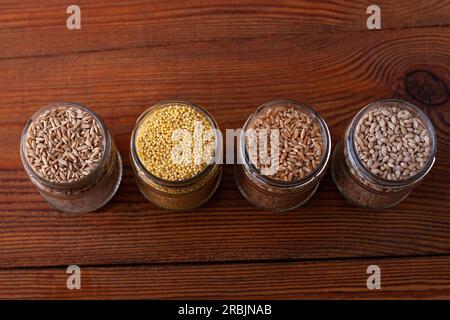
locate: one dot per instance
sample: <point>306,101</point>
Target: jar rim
<point>367,174</point>
<point>84,181</point>
<point>321,168</point>
<point>175,183</point>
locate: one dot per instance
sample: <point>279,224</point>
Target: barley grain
<point>401,147</point>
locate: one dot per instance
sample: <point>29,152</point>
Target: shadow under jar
<point>387,150</point>
<point>171,184</point>
<point>70,157</point>
<point>303,154</point>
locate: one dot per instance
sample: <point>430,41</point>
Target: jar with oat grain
<point>387,150</point>
<point>70,157</point>
<point>175,146</point>
<point>297,143</point>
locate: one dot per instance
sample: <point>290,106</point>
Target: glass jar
<point>358,184</point>
<point>90,192</point>
<point>266,192</point>
<point>178,195</point>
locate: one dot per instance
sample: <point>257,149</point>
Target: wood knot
<point>426,87</point>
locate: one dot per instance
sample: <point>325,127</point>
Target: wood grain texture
<point>230,58</point>
<point>113,25</point>
<point>131,230</point>
<point>406,278</point>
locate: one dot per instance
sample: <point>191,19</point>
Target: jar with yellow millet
<point>174,147</point>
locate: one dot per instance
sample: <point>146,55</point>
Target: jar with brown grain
<point>174,147</point>
<point>298,158</point>
<point>387,150</point>
<point>70,157</point>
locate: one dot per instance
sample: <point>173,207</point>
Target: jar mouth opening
<point>317,119</point>
<point>196,177</point>
<point>96,173</point>
<point>357,162</point>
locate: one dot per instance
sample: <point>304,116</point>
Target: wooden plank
<point>130,230</point>
<point>36,28</point>
<point>337,73</point>
<point>401,278</point>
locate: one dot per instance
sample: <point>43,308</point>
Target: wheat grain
<point>300,142</point>
<point>64,144</point>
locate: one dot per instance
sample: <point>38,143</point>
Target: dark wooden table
<point>229,56</point>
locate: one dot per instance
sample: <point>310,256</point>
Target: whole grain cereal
<point>64,144</point>
<point>387,150</point>
<point>157,143</point>
<point>301,144</point>
<point>392,143</point>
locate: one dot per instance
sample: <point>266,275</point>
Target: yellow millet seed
<point>170,153</point>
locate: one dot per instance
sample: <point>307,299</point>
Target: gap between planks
<point>233,262</point>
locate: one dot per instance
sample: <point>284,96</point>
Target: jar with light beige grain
<point>70,157</point>
<point>387,150</point>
